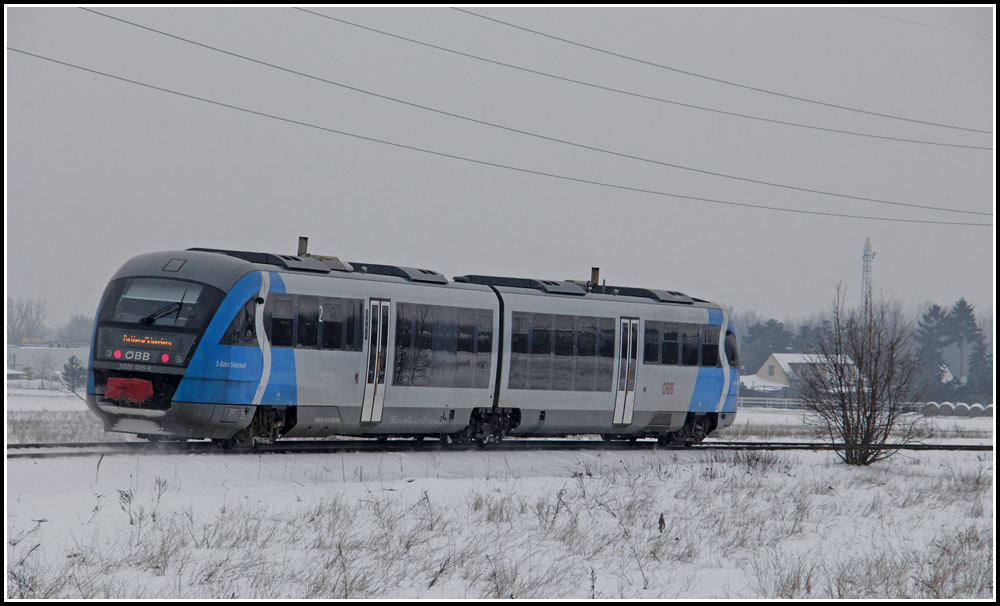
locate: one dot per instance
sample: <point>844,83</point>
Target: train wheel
<point>447,439</point>
<point>482,442</point>
<point>418,439</point>
<point>606,437</point>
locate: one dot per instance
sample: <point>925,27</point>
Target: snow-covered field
<point>640,524</point>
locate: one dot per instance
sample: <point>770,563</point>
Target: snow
<point>481,524</point>
<point>45,400</point>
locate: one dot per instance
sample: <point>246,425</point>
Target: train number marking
<point>668,388</point>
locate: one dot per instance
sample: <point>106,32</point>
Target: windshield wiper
<point>159,313</point>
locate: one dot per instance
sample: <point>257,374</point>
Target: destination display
<point>138,346</point>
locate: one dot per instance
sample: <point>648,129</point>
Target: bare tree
<point>25,319</point>
<point>45,362</point>
<point>77,330</point>
<point>863,385</point>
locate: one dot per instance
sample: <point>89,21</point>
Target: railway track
<point>92,449</point>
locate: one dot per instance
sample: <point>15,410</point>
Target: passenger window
<point>586,354</point>
<point>606,355</point>
<point>689,345</point>
<point>540,371</point>
<point>279,320</point>
<point>308,326</point>
<point>670,352</point>
<point>333,323</point>
<point>710,346</point>
<point>651,347</point>
<point>436,346</point>
<point>484,347</point>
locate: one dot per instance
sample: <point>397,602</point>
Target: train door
<point>378,339</point>
<point>626,363</point>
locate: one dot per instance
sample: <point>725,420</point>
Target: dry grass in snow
<point>662,524</point>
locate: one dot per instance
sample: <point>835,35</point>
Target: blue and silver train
<point>247,347</point>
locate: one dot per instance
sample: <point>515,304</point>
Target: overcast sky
<point>99,170</point>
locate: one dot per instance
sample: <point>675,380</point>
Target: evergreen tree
<point>931,339</point>
<point>74,375</point>
<point>761,341</point>
<point>980,383</point>
<point>962,331</point>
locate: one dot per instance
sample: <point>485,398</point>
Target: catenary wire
<point>951,29</point>
<point>640,95</point>
<point>530,134</point>
<point>493,164</point>
<point>719,80</point>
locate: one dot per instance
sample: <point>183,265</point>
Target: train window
<point>606,355</point>
<point>586,354</point>
<point>651,344</point>
<point>540,364</point>
<point>279,320</point>
<point>732,349</point>
<point>484,347</point>
<point>158,302</point>
<point>423,340</point>
<point>439,346</point>
<point>669,351</point>
<point>308,325</point>
<point>402,372</point>
<point>444,347</point>
<point>332,323</point>
<point>689,344</point>
<point>710,346</point>
<point>562,363</point>
<point>465,353</point>
<point>337,324</point>
<point>243,329</point>
<point>561,352</point>
<point>519,350</point>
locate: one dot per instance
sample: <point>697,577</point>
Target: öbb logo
<point>668,389</point>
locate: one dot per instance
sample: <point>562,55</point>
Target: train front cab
<point>157,366</point>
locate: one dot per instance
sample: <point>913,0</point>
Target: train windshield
<point>156,302</point>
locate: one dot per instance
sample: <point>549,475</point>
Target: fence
<point>778,403</point>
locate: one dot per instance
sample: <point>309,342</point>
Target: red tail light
<point>135,390</point>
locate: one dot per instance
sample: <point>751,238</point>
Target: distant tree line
<point>955,336</point>
<point>944,339</point>
<point>26,324</point>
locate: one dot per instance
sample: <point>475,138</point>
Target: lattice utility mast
<point>866,276</point>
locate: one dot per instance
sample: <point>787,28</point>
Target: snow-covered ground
<point>792,426</point>
<point>640,524</point>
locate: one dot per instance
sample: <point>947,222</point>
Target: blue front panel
<point>715,317</point>
<point>707,390</point>
<point>281,388</point>
<point>734,391</point>
<point>224,374</point>
<point>734,381</point>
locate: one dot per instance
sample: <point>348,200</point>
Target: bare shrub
<point>864,379</point>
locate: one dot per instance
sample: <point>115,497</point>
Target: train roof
<point>224,267</point>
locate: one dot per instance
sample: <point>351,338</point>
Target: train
<point>246,348</point>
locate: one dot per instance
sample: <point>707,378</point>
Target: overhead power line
<point>486,163</point>
<point>719,80</point>
<point>530,134</point>
<point>951,29</point>
<point>638,95</point>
